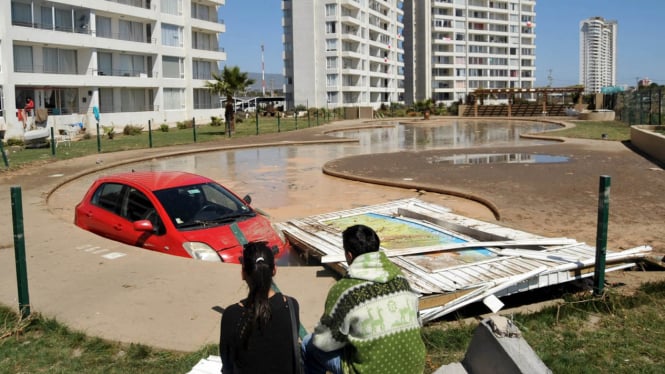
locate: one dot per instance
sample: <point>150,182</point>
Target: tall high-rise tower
<point>598,53</point>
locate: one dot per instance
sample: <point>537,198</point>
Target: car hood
<point>234,235</point>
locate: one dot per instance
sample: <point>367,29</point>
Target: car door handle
<point>117,226</point>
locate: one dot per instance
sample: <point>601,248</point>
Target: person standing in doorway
<point>370,323</point>
<point>28,111</point>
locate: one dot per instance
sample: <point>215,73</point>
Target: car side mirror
<point>143,225</point>
<point>247,199</point>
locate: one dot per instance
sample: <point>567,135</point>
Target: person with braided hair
<point>255,332</point>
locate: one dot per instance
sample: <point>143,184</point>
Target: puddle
<point>454,134</point>
<point>497,158</point>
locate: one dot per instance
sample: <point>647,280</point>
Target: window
<point>331,63</point>
<point>23,59</point>
<point>331,44</point>
<point>132,65</point>
<point>46,18</point>
<point>201,69</point>
<point>106,100</point>
<point>61,100</point>
<point>63,20</point>
<point>171,7</point>
<point>331,10</point>
<point>331,80</point>
<point>204,41</point>
<point>103,27</point>
<point>133,100</point>
<point>59,61</point>
<point>104,63</point>
<point>171,35</point>
<point>108,196</point>
<point>174,98</point>
<point>21,14</point>
<point>331,27</point>
<point>204,99</point>
<point>130,30</point>
<point>204,12</point>
<point>172,67</point>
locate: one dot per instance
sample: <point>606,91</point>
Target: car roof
<point>157,180</point>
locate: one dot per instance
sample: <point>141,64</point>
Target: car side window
<point>137,207</point>
<point>108,196</point>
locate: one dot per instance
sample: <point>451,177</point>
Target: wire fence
<point>642,107</point>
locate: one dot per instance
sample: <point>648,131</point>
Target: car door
<point>138,206</point>
<point>102,215</point>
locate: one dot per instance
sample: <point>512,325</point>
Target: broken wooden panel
<point>452,260</point>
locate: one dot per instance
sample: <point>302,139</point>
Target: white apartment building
<point>130,60</point>
<point>456,46</point>
<point>342,53</point>
<point>598,53</point>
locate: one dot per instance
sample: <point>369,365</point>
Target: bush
<point>14,141</point>
<point>132,130</point>
<point>181,125</point>
<point>164,127</point>
<point>216,121</point>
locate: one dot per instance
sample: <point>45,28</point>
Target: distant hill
<point>273,81</point>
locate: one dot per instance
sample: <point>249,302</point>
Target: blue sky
<point>641,48</point>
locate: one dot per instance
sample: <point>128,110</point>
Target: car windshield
<point>197,205</point>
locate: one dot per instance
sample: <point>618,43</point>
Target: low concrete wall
<point>648,141</point>
<point>605,115</point>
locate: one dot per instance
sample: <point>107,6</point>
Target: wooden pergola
<point>480,94</point>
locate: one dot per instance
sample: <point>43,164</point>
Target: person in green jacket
<point>370,323</point>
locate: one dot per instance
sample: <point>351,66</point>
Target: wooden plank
<point>466,245</point>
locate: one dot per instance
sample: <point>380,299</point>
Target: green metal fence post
<point>601,234</point>
<point>19,252</point>
<point>99,140</point>
<point>296,117</point>
<point>308,118</point>
<point>278,123</point>
<point>194,128</point>
<point>257,120</point>
<point>52,141</point>
<point>150,133</point>
<point>4,155</point>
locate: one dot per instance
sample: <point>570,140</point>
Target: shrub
<point>164,127</point>
<point>132,130</point>
<point>14,141</point>
<point>181,125</point>
<point>216,121</point>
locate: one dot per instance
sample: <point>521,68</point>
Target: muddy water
<point>286,182</point>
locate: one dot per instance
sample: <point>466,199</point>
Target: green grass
<point>40,345</point>
<point>609,334</point>
<point>615,130</point>
<point>19,157</point>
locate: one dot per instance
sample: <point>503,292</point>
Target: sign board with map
<point>452,260</point>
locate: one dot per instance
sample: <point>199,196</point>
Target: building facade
<point>453,47</point>
<point>598,53</point>
<point>342,53</point>
<point>132,61</point>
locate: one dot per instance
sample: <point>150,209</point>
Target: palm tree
<point>230,82</point>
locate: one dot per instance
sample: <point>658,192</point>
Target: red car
<point>177,213</point>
